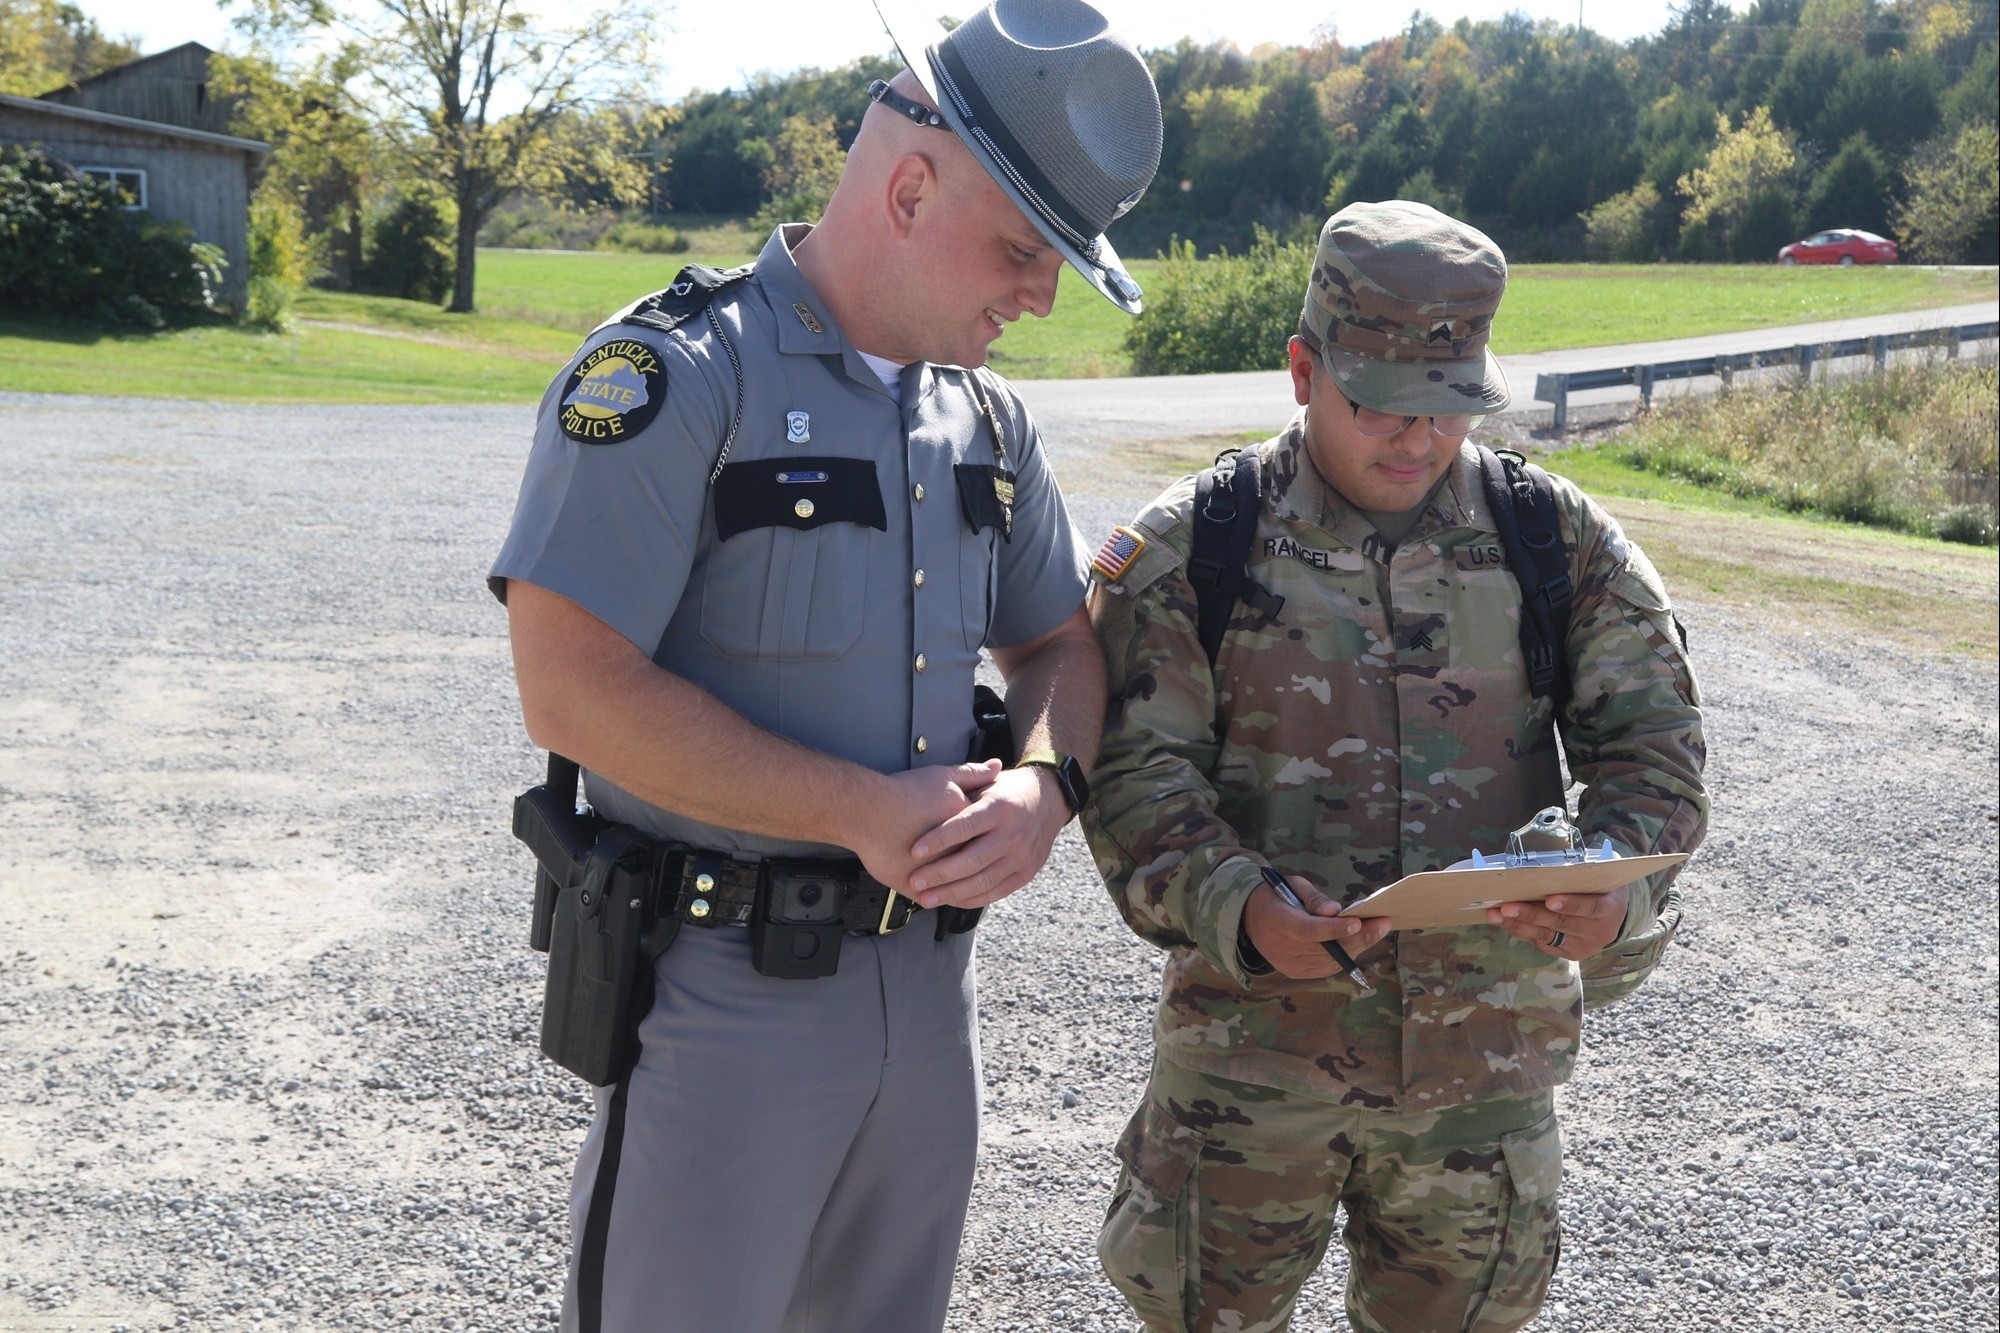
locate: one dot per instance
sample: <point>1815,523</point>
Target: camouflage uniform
<point>1382,725</point>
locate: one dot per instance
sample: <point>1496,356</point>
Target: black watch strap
<point>1070,778</point>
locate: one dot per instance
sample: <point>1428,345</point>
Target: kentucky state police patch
<point>613,393</point>
<point>1120,549</point>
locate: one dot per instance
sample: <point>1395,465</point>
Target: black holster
<point>597,915</point>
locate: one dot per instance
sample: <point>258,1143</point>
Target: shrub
<point>412,251</point>
<point>1972,525</point>
<point>1953,212</point>
<point>1912,448</point>
<point>1766,227</point>
<point>1226,312</point>
<point>632,236</point>
<point>281,261</point>
<point>1622,228</point>
<point>67,244</point>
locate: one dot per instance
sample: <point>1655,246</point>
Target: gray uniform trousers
<point>789,1156</point>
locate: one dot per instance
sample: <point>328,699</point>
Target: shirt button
<point>918,578</point>
<point>922,745</point>
<point>918,490</point>
<point>922,661</point>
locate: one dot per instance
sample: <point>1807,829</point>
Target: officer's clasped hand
<point>1572,926</point>
<point>1290,939</point>
<point>995,845</point>
<point>907,806</point>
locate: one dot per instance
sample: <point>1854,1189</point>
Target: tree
<point>1954,206</point>
<point>1855,189</point>
<point>471,90</point>
<point>45,44</point>
<point>324,146</point>
<point>806,159</point>
<point>1746,165</point>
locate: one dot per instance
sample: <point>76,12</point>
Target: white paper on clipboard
<point>1460,895</point>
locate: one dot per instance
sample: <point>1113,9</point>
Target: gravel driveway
<point>267,1014</point>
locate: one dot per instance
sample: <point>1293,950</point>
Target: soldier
<point>1369,715</point>
<point>770,519</point>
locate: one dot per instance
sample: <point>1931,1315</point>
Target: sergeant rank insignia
<point>1120,549</point>
<point>614,392</point>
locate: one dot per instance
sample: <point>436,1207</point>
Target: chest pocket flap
<point>986,496</point>
<point>800,493</point>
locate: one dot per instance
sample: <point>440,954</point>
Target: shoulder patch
<point>614,392</point>
<point>1120,549</point>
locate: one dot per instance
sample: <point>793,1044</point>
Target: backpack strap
<point>1523,500</point>
<point>693,292</point>
<point>1226,499</point>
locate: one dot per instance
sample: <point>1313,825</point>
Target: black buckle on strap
<point>914,112</point>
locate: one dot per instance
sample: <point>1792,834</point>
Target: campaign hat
<point>1060,111</point>
<point>1401,305</point>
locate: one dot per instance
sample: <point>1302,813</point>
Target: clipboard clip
<point>1549,839</point>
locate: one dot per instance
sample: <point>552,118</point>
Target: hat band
<point>1351,337</point>
<point>1006,150</point>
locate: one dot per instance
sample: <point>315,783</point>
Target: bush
<point>281,262</point>
<point>1971,525</point>
<point>412,245</point>
<point>1912,448</point>
<point>632,236</point>
<point>1622,228</point>
<point>1226,312</point>
<point>1767,226</point>
<point>1953,212</point>
<point>68,245</point>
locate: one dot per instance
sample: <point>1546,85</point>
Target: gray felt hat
<point>1061,112</point>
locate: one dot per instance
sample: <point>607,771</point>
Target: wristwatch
<point>1069,775</point>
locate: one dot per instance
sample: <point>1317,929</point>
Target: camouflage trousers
<point>1227,1198</point>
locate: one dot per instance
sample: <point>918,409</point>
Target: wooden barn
<point>152,130</point>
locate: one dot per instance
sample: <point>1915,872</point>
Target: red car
<point>1842,245</point>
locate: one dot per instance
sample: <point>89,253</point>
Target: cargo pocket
<point>1531,1239</point>
<point>1150,1230</point>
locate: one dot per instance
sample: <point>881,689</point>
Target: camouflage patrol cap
<point>1401,303</point>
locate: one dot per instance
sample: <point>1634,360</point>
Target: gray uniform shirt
<point>836,583</point>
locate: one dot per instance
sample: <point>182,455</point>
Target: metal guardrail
<point>1556,388</point>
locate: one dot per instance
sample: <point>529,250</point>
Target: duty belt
<point>713,889</point>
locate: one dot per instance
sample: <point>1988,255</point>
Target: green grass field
<point>1818,576</point>
<point>534,306</point>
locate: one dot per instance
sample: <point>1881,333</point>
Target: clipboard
<point>1460,895</point>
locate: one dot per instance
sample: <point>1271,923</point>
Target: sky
<point>708,45</point>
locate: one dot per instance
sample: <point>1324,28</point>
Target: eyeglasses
<point>1385,425</point>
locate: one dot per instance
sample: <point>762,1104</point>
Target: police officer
<point>1368,715</point>
<point>769,521</point>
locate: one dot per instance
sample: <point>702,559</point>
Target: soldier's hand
<point>918,800</point>
<point>1290,939</point>
<point>1572,925</point>
<point>993,846</point>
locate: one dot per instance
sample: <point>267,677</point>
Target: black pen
<point>1332,947</point>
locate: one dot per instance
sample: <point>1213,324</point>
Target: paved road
<point>1156,407</point>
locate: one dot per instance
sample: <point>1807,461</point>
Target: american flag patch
<point>1120,549</point>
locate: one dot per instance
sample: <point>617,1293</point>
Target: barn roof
<point>63,111</point>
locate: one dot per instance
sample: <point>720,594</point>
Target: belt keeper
<point>704,881</point>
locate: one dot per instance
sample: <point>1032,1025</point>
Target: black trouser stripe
<point>597,1226</point>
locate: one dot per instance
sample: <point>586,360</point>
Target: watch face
<point>1076,788</point>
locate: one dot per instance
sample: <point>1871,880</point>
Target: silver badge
<point>798,427</point>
